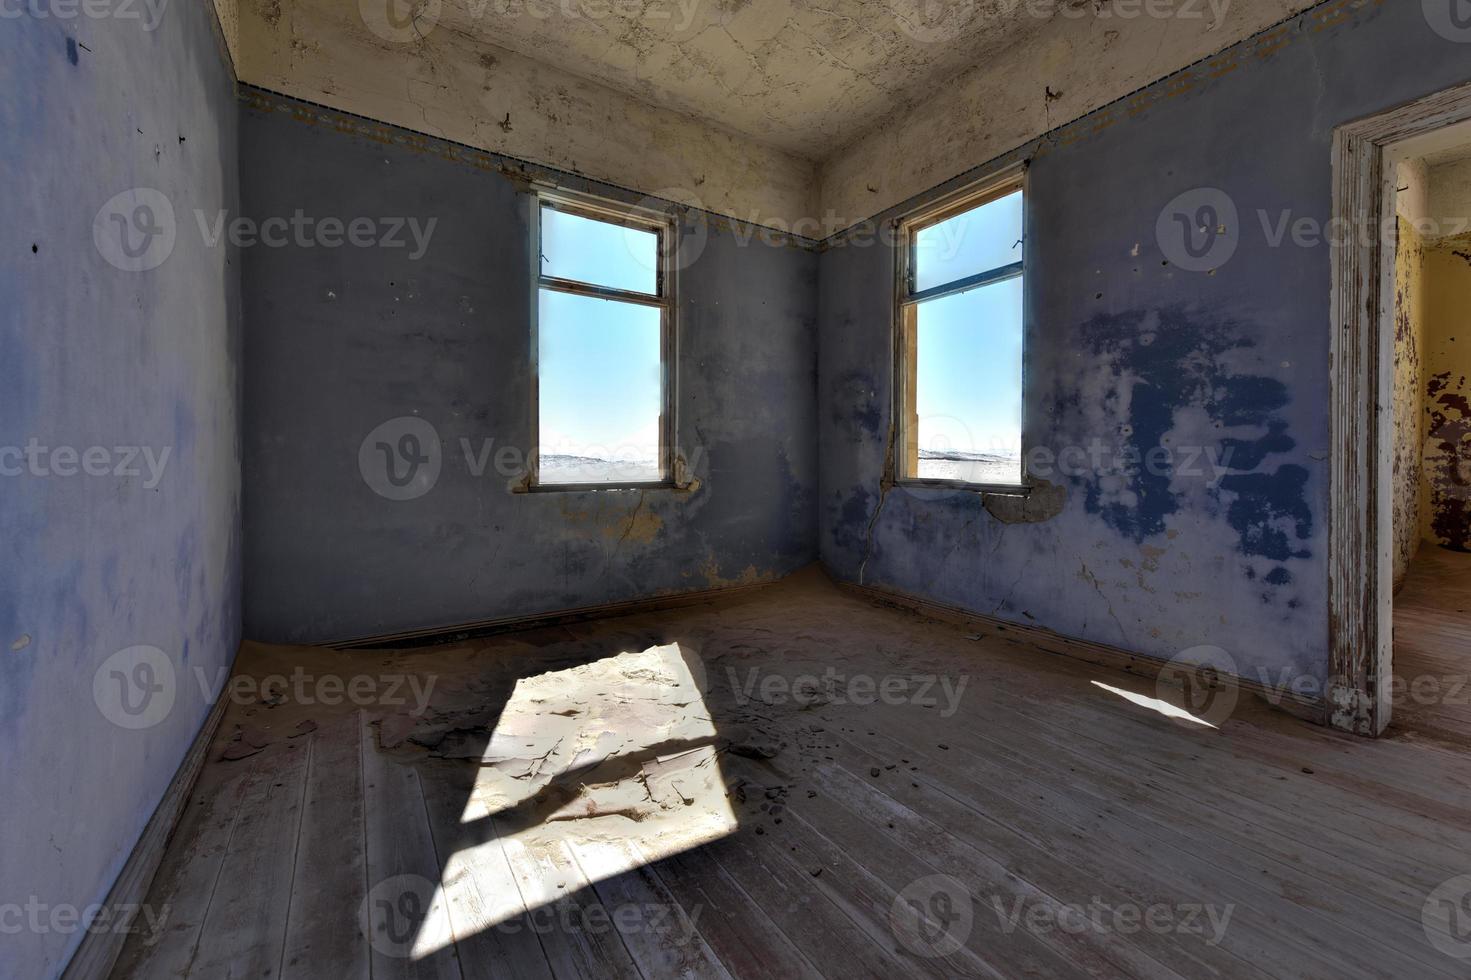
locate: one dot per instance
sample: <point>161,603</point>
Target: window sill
<point>999,490</point>
<point>598,487</point>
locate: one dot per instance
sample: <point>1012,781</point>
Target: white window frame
<point>665,227</point>
<point>905,466</point>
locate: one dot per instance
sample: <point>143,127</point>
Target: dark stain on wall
<point>1270,511</point>
<point>1170,359</point>
<point>851,528</point>
<point>1448,460</point>
<point>855,409</point>
<point>1045,501</point>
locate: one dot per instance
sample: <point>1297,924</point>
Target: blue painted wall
<point>1128,349</point>
<point>784,401</point>
<point>95,357</point>
<point>344,339</point>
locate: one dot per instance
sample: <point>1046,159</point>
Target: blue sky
<point>599,377</point>
<point>574,247</point>
<point>969,388</point>
<point>599,359</point>
<point>969,378</point>
<point>968,243</point>
<point>598,363</point>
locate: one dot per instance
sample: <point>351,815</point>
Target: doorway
<point>1430,480</point>
<point>1364,546</point>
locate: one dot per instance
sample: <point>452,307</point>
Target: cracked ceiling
<point>806,77</point>
<point>771,111</point>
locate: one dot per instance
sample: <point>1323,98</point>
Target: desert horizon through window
<point>602,338</point>
<point>961,338</point>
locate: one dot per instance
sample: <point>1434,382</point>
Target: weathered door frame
<point>1360,657</point>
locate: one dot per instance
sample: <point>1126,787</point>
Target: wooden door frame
<point>1360,579</point>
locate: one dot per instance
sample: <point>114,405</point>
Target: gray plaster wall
<point>103,555</point>
<point>342,340</point>
<point>1129,349</point>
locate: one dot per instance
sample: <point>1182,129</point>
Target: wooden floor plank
<point>324,935</point>
<point>1192,802</point>
<point>901,863</point>
<point>1024,831</point>
<point>674,949</point>
<point>245,930</point>
<point>578,933</point>
<point>1036,789</point>
<point>810,921</point>
<point>493,934</point>
<point>189,874</point>
<point>406,912</point>
<point>736,928</point>
<point>1191,869</point>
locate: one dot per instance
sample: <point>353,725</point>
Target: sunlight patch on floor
<point>590,772</point>
<point>1154,704</point>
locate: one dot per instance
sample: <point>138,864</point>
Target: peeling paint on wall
<point>1127,347</point>
<point>1407,468</point>
<point>1447,505</point>
<point>1150,368</point>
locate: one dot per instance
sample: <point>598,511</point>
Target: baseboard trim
<point>514,624</point>
<point>98,952</point>
<point>1088,651</point>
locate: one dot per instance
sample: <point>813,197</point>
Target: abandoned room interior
<point>735,488</point>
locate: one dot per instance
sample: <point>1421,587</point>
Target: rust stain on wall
<point>750,575</point>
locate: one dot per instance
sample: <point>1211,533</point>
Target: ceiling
<point>807,76</point>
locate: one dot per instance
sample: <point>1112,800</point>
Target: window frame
<point>905,322</point>
<point>666,229</point>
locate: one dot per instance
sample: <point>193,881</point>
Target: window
<point>959,339</point>
<point>603,339</point>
